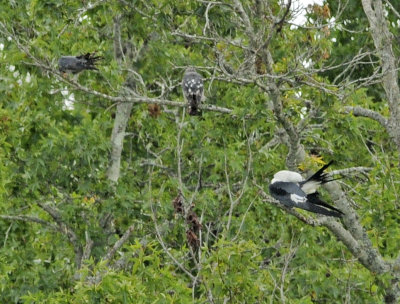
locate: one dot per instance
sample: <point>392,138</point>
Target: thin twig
<point>159,238</point>
<point>66,230</point>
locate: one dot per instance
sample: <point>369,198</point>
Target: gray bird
<point>193,88</point>
<point>292,190</point>
<point>76,64</point>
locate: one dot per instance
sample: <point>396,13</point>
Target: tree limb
<point>348,171</point>
<point>363,250</point>
<point>359,111</point>
<point>133,98</point>
<point>87,250</point>
<point>122,115</point>
<point>119,244</point>
<point>27,218</point>
<point>369,256</point>
<point>67,231</point>
<point>383,43</point>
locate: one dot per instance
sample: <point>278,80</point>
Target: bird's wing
<point>66,63</point>
<point>288,188</point>
<point>288,193</point>
<point>291,195</point>
<point>192,86</point>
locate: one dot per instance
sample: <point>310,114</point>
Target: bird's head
<point>190,70</point>
<point>287,176</point>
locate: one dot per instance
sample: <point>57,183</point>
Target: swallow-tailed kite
<point>76,64</point>
<point>292,190</point>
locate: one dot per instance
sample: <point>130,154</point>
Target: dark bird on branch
<point>292,190</point>
<point>76,64</point>
<point>193,88</point>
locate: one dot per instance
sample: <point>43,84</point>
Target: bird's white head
<point>287,176</point>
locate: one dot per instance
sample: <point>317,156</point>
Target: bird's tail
<point>320,176</point>
<point>90,60</point>
<point>322,210</point>
<point>193,110</point>
<point>314,199</point>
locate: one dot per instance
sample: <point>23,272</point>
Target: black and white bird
<point>193,88</point>
<point>76,64</point>
<point>292,190</point>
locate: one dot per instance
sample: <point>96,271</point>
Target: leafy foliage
<point>251,251</point>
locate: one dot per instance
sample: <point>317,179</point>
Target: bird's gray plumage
<point>193,88</point>
<point>76,64</point>
<point>287,188</point>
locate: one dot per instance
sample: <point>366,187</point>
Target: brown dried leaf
<point>178,204</point>
<point>192,239</point>
<point>154,110</point>
<point>193,221</point>
<point>326,31</point>
<point>326,12</point>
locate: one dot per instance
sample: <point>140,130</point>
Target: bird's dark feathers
<point>314,198</point>
<point>320,175</point>
<point>90,60</point>
<point>320,210</point>
<point>76,64</point>
<point>193,87</point>
<point>291,194</point>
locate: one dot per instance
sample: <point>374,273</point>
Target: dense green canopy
<point>182,213</point>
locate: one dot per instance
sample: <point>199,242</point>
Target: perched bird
<point>76,64</point>
<point>292,190</point>
<point>193,88</point>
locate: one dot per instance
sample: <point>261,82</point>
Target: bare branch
<point>67,231</point>
<point>359,111</point>
<point>349,171</point>
<point>369,256</point>
<point>122,115</point>
<point>134,98</point>
<point>7,234</point>
<point>393,9</point>
<point>169,253</point>
<point>27,218</point>
<point>118,49</point>
<point>382,37</point>
<point>88,247</point>
<point>243,219</point>
<point>160,239</point>
<point>245,18</point>
<point>366,255</point>
<point>280,23</point>
<point>235,202</point>
<point>288,257</point>
<point>179,148</point>
<point>82,11</point>
<point>197,38</point>
<point>119,244</point>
